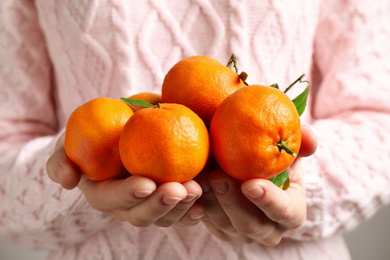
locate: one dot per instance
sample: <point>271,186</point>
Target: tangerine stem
<point>233,60</point>
<point>295,82</point>
<point>243,75</point>
<point>283,145</point>
<point>159,105</point>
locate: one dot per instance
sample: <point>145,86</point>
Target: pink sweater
<point>55,55</point>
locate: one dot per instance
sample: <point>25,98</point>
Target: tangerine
<point>150,97</point>
<point>200,83</point>
<point>255,133</point>
<point>166,143</point>
<point>92,137</point>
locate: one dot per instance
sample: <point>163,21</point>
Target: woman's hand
<point>256,210</point>
<point>136,199</point>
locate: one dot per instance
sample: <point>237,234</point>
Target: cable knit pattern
<point>56,55</point>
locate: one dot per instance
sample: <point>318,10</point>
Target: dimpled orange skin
<point>168,144</point>
<point>246,128</point>
<point>200,83</point>
<point>92,138</point>
<point>150,97</point>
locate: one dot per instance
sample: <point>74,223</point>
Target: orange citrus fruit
<point>92,137</point>
<point>255,133</point>
<point>166,143</point>
<point>150,97</point>
<point>200,83</point>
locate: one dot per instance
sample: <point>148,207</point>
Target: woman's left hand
<point>256,210</point>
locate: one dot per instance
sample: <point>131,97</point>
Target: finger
<point>60,142</point>
<point>245,217</point>
<point>193,216</point>
<point>223,234</point>
<point>286,207</point>
<point>194,191</point>
<point>309,142</point>
<point>215,218</point>
<point>296,174</point>
<point>157,205</point>
<point>215,212</point>
<point>60,169</point>
<point>117,195</point>
<point>217,232</point>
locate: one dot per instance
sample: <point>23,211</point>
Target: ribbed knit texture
<point>56,55</point>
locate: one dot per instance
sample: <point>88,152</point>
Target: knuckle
<point>298,223</point>
<point>98,207</point>
<point>247,240</point>
<point>225,225</point>
<point>286,213</point>
<point>163,223</point>
<point>272,241</point>
<point>138,221</point>
<point>263,233</point>
<point>291,219</point>
<point>269,204</point>
<point>244,239</point>
<point>249,229</point>
<point>186,223</point>
<point>94,204</point>
<point>222,235</point>
<point>120,215</point>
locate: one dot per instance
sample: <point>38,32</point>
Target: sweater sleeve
<point>34,211</point>
<point>347,180</point>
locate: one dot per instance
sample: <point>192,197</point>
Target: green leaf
<point>275,86</point>
<point>280,179</point>
<point>300,101</point>
<point>137,102</point>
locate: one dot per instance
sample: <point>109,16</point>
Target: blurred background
<point>369,241</point>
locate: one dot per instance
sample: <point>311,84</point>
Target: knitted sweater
<point>56,55</point>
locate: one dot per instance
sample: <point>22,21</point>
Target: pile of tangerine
<point>205,110</point>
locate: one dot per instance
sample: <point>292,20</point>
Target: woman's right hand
<point>136,199</point>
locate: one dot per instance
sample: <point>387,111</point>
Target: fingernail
<point>196,217</point>
<point>219,186</point>
<point>205,187</point>
<point>255,192</point>
<point>142,193</point>
<point>171,200</point>
<point>57,171</point>
<point>190,197</point>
